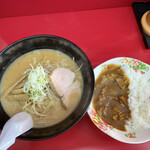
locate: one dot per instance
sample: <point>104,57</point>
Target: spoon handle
<point>15,126</point>
<point>5,144</point>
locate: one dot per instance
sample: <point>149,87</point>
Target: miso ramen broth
<point>45,83</point>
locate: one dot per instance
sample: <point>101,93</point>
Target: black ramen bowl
<point>15,50</point>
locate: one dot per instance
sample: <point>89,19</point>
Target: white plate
<point>126,137</point>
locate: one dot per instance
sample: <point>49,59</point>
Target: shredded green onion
<point>36,84</point>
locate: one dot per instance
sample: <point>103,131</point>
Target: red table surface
<point>102,34</point>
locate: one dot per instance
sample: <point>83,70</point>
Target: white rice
<point>139,100</point>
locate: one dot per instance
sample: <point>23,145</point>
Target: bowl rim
<point>37,36</point>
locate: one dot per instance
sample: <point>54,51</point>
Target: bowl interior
<point>15,50</point>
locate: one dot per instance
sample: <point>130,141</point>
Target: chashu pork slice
<point>72,94</point>
<point>61,79</point>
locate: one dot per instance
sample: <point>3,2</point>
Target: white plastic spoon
<point>15,126</point>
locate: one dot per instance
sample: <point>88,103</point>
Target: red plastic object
<point>102,35</point>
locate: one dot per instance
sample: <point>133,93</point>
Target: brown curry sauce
<point>111,97</point>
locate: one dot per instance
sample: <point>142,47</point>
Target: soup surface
<point>45,83</point>
<point>111,96</point>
